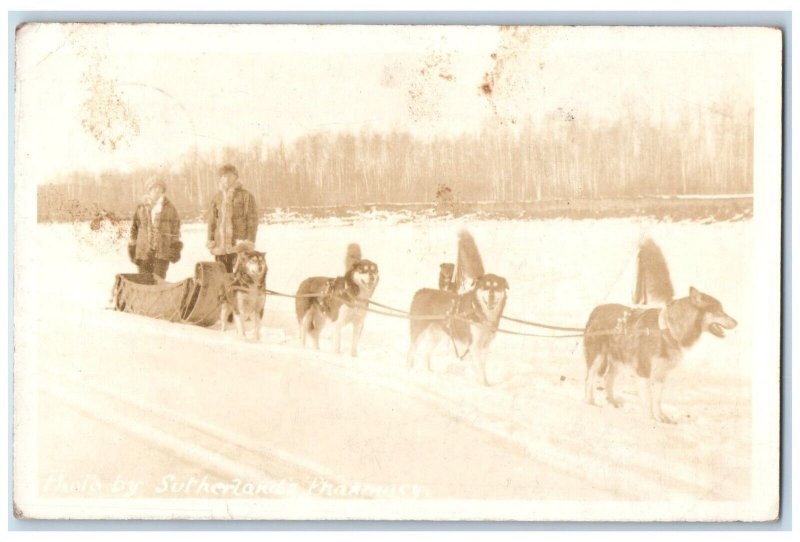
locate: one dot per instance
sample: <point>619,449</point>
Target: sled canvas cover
<point>193,300</point>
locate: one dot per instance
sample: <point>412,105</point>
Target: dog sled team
<point>465,309</point>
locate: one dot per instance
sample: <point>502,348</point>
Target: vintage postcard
<point>397,272</point>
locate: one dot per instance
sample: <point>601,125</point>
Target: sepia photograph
<point>397,272</point>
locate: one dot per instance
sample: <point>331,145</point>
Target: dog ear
<point>505,283</point>
<point>696,297</point>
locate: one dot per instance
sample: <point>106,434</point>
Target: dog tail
<point>470,264</point>
<point>653,283</point>
<point>353,256</point>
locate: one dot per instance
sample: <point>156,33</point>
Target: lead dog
<point>340,300</point>
<point>651,341</point>
<point>470,320</point>
<point>244,293</point>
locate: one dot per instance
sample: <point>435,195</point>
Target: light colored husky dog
<point>468,320</point>
<point>341,301</point>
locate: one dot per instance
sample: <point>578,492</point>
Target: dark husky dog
<point>651,340</point>
<point>245,292</point>
<point>447,281</point>
<point>470,320</point>
<point>341,300</point>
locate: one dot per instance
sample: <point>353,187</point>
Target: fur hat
<point>228,169</point>
<point>153,182</point>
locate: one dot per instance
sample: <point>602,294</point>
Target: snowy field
<point>189,401</point>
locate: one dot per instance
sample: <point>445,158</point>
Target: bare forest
<point>701,150</point>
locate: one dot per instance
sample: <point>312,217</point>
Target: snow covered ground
<point>188,401</point>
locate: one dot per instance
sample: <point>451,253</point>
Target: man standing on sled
<point>155,238</point>
<point>232,217</point>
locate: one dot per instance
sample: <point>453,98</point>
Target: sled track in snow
<point>511,420</point>
<point>480,412</point>
<point>218,451</point>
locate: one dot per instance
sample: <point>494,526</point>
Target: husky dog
<point>244,293</point>
<point>650,340</point>
<point>340,300</point>
<point>447,281</point>
<point>470,320</point>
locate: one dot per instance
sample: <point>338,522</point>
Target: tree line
<point>560,157</point>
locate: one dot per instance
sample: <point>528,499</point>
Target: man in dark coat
<point>232,217</point>
<point>155,231</point>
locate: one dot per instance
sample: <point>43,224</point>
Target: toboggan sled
<point>194,300</point>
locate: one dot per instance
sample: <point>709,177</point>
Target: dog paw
<point>616,403</point>
<point>663,418</point>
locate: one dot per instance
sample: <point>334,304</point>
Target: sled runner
<point>194,300</point>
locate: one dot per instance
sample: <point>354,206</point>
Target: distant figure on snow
<point>155,231</point>
<point>232,217</point>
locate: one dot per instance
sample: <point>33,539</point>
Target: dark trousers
<point>155,266</point>
<point>228,260</point>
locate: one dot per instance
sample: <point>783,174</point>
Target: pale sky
<point>159,90</point>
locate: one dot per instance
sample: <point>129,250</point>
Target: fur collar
<point>352,290</point>
<point>469,307</point>
<point>683,321</point>
<point>244,281</point>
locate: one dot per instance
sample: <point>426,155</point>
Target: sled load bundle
<point>193,301</point>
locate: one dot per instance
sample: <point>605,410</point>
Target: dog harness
<point>329,294</point>
<point>323,301</point>
<point>663,325</point>
<point>471,315</point>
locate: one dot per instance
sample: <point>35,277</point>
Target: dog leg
<point>611,373</point>
<point>237,319</point>
<point>420,346</point>
<point>337,335</point>
<point>316,328</point>
<point>591,375</point>
<point>659,375</point>
<point>257,324</point>
<point>307,327</point>
<point>412,350</point>
<point>301,330</point>
<point>358,327</point>
<point>223,316</point>
<point>658,414</point>
<point>431,339</point>
<point>480,359</point>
